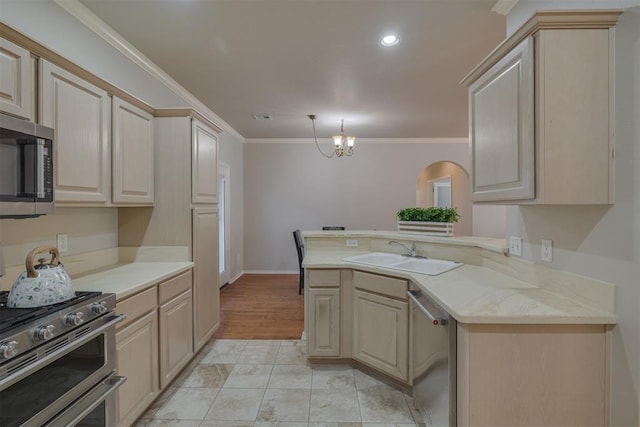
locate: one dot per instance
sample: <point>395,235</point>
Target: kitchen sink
<point>429,266</point>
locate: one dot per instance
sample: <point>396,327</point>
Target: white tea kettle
<point>43,284</point>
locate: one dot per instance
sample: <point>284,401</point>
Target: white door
<point>442,192</point>
<point>224,219</point>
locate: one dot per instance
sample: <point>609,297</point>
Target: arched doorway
<point>446,183</point>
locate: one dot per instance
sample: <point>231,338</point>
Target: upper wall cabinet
<point>204,164</point>
<point>541,113</point>
<point>501,119</point>
<point>132,154</point>
<point>79,112</point>
<point>16,80</point>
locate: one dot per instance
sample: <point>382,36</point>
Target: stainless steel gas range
<point>57,363</point>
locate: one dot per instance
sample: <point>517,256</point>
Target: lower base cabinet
<point>526,375</point>
<point>381,333</point>
<point>176,326</point>
<point>153,344</point>
<point>137,359</point>
<point>324,322</point>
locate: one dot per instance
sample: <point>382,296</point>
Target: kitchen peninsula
<point>525,333</point>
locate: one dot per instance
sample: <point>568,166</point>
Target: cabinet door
<point>16,81</point>
<point>501,128</point>
<point>381,333</point>
<point>206,293</point>
<point>132,154</point>
<point>324,322</point>
<point>176,336</point>
<point>204,164</point>
<point>79,112</point>
<point>137,359</point>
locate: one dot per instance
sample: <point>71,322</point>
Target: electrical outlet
<point>352,243</point>
<point>62,242</point>
<point>515,246</point>
<point>547,250</point>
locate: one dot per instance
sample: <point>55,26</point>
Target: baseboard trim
<point>236,277</point>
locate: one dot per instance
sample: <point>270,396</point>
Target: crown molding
<point>546,20</point>
<point>108,34</point>
<point>359,141</point>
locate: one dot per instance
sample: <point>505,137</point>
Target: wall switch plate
<point>547,250</point>
<point>62,242</point>
<point>515,246</point>
<point>352,243</point>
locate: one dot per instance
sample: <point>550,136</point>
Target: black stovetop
<point>12,317</point>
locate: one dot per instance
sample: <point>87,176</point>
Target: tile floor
<point>268,383</point>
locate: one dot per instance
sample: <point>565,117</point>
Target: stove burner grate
<point>12,317</point>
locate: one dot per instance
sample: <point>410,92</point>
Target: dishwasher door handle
<point>436,320</point>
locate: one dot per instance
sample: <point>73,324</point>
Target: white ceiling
<point>291,58</point>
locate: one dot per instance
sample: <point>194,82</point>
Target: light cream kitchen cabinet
<point>501,120</point>
<point>541,115</point>
<point>132,150</point>
<point>323,320</point>
<point>16,80</point>
<point>137,355</point>
<point>204,163</point>
<point>176,326</point>
<point>551,375</point>
<point>80,114</point>
<point>206,292</point>
<point>381,323</point>
<point>192,226</point>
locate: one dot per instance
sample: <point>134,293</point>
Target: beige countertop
<point>127,279</point>
<point>475,294</point>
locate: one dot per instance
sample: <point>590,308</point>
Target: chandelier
<point>343,144</point>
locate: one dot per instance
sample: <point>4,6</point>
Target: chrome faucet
<point>411,250</point>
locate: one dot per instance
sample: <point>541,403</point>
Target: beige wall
<point>290,186</point>
<point>89,229</point>
<point>602,242</point>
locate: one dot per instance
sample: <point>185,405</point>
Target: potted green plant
<point>434,221</point>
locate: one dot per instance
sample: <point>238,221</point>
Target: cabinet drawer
<point>396,288</point>
<point>324,278</point>
<point>174,286</point>
<point>137,305</point>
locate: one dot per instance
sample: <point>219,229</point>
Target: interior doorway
<point>446,184</point>
<point>224,218</point>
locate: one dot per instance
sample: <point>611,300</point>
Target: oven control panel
<point>54,323</point>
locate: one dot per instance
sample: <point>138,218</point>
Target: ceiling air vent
<point>262,116</point>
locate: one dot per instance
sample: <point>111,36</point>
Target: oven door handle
<point>16,376</point>
<point>436,320</point>
<point>82,407</point>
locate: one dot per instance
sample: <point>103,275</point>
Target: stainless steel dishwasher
<point>433,337</point>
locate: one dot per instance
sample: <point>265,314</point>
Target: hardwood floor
<point>262,306</point>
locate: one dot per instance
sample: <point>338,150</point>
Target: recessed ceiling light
<point>390,40</point>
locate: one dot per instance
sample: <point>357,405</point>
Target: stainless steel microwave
<point>26,168</point>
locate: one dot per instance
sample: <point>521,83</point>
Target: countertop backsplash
<point>92,262</point>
